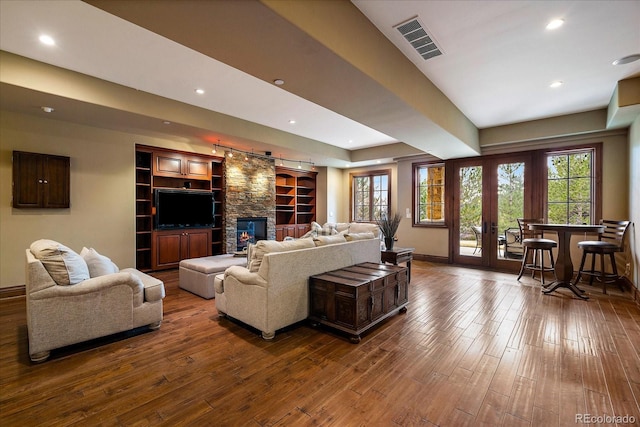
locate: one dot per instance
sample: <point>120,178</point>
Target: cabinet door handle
<point>46,182</point>
<point>39,181</point>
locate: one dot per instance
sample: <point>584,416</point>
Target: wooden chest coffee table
<point>356,298</point>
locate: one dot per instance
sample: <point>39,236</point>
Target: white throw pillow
<point>64,265</point>
<point>99,265</point>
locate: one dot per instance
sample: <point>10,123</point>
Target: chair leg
<point>534,263</point>
<point>524,261</point>
<point>603,275</point>
<point>593,268</point>
<point>542,266</point>
<point>614,267</point>
<point>584,258</point>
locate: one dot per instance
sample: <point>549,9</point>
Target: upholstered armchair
<point>73,297</point>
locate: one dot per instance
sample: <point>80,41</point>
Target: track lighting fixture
<point>230,151</point>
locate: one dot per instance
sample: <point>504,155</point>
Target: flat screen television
<point>183,209</point>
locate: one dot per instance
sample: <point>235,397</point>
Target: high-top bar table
<point>564,265</point>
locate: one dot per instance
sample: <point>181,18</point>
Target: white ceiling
<point>499,59</point>
<point>496,68</point>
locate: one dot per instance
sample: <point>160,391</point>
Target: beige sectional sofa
<point>272,291</point>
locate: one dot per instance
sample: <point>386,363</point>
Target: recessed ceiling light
<point>627,59</point>
<point>199,91</point>
<point>166,122</point>
<point>278,82</point>
<point>556,84</point>
<point>293,122</point>
<point>48,109</point>
<point>48,40</point>
<point>554,24</point>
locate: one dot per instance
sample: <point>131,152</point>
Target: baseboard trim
<point>431,258</point>
<point>12,292</point>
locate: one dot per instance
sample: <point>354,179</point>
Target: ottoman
<point>197,274</point>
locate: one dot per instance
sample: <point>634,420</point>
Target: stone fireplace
<point>250,192</point>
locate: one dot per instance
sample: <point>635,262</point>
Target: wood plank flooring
<point>474,348</point>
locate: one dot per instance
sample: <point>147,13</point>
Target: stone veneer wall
<point>250,191</point>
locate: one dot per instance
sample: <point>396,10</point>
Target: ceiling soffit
<point>266,41</point>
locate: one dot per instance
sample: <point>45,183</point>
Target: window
<point>570,187</point>
<point>371,193</point>
<point>429,206</point>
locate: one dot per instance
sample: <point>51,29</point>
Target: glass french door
<point>491,193</point>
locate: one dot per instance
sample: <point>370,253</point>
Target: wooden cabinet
<point>354,299</point>
<point>178,165</point>
<point>41,180</point>
<point>295,202</point>
<point>172,246</point>
<point>160,168</point>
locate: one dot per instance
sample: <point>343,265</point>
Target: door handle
<point>494,227</point>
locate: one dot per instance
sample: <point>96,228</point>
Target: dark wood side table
<point>398,255</point>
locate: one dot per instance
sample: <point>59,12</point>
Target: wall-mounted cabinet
<point>295,202</point>
<point>41,180</point>
<point>179,165</point>
<point>158,168</point>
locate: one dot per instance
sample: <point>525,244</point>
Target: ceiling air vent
<point>414,32</point>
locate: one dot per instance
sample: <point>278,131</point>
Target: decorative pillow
<point>99,265</point>
<point>359,236</point>
<point>339,226</point>
<point>264,247</point>
<point>63,265</point>
<point>310,233</point>
<point>329,240</point>
<point>324,230</point>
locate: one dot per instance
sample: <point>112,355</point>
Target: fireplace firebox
<point>250,230</point>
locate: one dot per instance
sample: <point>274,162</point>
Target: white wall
<point>102,212</point>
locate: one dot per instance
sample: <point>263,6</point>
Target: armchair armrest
<point>244,276</point>
<point>95,284</point>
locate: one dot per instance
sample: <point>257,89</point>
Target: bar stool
<point>533,241</point>
<point>610,241</point>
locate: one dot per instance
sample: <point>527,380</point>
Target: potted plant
<point>389,226</point>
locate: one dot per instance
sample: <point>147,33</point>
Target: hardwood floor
<point>474,348</point>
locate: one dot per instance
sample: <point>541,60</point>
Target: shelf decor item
<point>389,226</point>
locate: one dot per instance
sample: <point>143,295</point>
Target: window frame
<point>596,179</point>
<point>368,174</point>
<point>415,202</point>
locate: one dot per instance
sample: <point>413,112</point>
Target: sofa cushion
<point>263,247</point>
<point>99,265</point>
<point>363,227</point>
<point>213,264</point>
<point>329,240</point>
<point>64,265</point>
<point>359,236</point>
